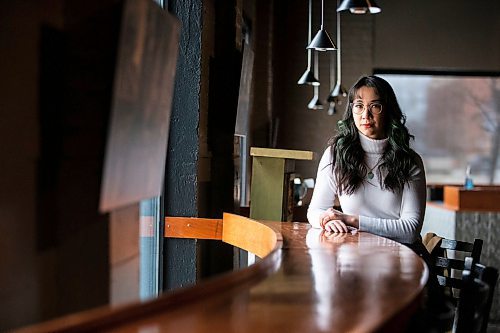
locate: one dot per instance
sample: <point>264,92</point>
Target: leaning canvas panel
<point>143,88</point>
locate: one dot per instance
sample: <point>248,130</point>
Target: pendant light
<point>359,6</point>
<point>332,108</point>
<point>332,100</point>
<point>322,40</point>
<point>338,90</point>
<point>308,76</point>
<point>315,103</point>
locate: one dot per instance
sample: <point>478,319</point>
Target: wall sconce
<point>308,76</point>
<point>322,40</point>
<point>359,6</point>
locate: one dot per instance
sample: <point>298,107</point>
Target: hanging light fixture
<point>359,6</point>
<point>332,108</point>
<point>308,76</point>
<point>338,90</point>
<point>332,100</point>
<point>322,40</point>
<point>315,103</point>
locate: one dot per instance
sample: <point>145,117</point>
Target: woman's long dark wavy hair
<point>397,159</point>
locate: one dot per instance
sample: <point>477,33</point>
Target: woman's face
<point>368,113</point>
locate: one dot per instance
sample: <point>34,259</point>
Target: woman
<point>378,179</point>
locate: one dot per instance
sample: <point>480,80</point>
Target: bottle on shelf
<point>469,183</point>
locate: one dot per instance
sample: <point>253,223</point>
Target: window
<point>151,240</point>
<point>150,245</point>
<point>455,119</point>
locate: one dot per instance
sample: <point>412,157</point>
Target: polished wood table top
<point>309,281</point>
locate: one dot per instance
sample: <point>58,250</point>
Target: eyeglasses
<point>373,108</point>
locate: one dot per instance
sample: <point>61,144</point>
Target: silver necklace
<point>370,174</point>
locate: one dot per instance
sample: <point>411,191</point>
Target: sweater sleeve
<point>324,190</point>
<point>407,228</point>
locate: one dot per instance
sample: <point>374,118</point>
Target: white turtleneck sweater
<point>398,216</point>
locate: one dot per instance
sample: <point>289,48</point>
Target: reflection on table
<point>310,281</point>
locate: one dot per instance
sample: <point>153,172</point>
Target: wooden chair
<point>449,268</point>
<point>474,304</point>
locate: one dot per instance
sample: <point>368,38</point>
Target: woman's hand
<point>336,226</point>
<point>336,221</point>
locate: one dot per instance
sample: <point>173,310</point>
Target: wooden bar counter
<point>306,281</point>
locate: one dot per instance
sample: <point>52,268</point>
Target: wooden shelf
<point>282,153</point>
<point>481,198</point>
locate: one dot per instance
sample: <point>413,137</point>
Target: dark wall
<point>76,85</point>
<point>442,35</point>
<point>19,31</point>
<point>57,61</point>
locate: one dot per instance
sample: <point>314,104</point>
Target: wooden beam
<point>193,227</point>
<point>239,231</point>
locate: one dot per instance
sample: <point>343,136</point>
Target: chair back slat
<point>450,244</point>
<point>449,263</point>
<point>450,282</point>
<point>454,245</point>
